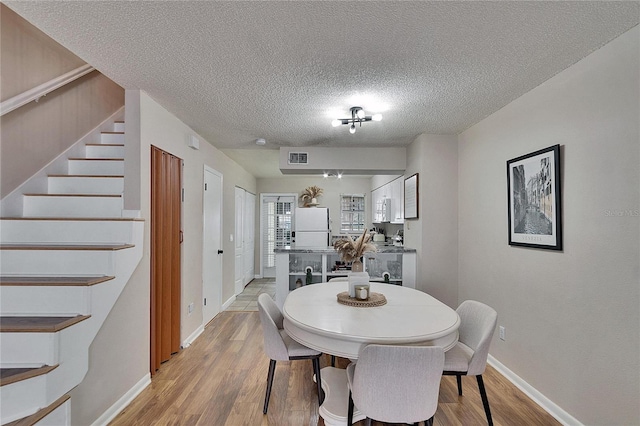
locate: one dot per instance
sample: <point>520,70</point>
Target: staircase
<point>63,265</point>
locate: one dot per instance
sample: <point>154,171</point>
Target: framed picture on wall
<point>411,197</point>
<point>534,208</point>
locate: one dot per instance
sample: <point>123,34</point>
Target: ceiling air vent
<point>298,158</point>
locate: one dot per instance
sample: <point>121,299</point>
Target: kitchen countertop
<point>331,250</point>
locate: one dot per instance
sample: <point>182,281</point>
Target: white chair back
<point>397,383</point>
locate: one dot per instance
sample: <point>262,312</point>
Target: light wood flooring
<point>221,378</point>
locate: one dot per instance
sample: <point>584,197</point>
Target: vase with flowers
<point>309,196</point>
<point>352,251</point>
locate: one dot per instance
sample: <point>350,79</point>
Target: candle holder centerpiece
<point>352,251</point>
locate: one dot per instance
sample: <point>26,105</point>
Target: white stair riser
<point>112,138</point>
<point>35,206</point>
<point>68,348</point>
<point>17,399</point>
<point>61,416</point>
<point>66,231</point>
<point>29,349</point>
<point>46,300</point>
<point>96,167</point>
<point>118,127</point>
<point>104,151</point>
<point>57,262</point>
<point>86,185</point>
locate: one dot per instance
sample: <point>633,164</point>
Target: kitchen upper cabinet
<point>388,202</point>
<point>397,200</point>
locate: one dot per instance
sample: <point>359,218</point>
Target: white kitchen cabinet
<point>397,200</point>
<point>291,266</point>
<point>388,202</point>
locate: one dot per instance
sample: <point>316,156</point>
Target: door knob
<point>220,251</point>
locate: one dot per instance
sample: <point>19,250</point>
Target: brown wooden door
<point>166,188</point>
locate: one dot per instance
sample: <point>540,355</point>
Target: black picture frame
<point>534,200</point>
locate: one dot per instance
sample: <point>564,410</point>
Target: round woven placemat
<point>375,299</point>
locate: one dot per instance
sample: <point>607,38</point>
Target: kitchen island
<point>297,267</point>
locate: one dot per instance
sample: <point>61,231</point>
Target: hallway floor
<point>248,299</point>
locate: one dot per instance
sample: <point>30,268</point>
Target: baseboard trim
<point>545,403</point>
<point>228,303</point>
<point>193,336</point>
<point>123,402</point>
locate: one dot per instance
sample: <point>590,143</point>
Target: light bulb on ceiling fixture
<point>339,175</point>
<point>325,174</point>
<point>357,116</point>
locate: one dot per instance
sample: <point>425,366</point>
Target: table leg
<point>336,403</point>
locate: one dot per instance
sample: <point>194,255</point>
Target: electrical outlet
<point>190,308</point>
<point>502,333</point>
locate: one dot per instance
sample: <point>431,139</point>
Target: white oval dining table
<point>313,317</point>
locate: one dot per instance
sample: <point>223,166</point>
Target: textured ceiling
<point>237,71</point>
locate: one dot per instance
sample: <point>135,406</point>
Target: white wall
<point>434,234</point>
<point>571,317</point>
<point>119,356</point>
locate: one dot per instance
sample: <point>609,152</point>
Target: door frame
<point>159,303</point>
<point>206,170</point>
<point>262,196</point>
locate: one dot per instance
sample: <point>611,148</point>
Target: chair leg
<point>333,360</point>
<point>272,369</point>
<point>485,400</point>
<point>459,380</point>
<point>316,370</point>
<point>429,422</point>
<point>367,421</point>
<point>350,411</point>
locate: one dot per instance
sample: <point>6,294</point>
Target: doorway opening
<point>276,218</point>
<point>166,239</point>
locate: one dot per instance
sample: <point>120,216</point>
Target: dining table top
<point>314,317</point>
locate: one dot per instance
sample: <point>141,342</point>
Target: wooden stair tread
<point>38,324</point>
<point>112,133</point>
<point>104,144</point>
<point>75,195</point>
<point>95,159</point>
<point>13,375</point>
<point>52,281</point>
<point>40,414</point>
<point>88,176</point>
<point>71,219</point>
<point>47,246</point>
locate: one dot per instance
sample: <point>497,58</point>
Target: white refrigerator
<point>311,227</point>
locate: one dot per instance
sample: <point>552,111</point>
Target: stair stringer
<point>68,348</point>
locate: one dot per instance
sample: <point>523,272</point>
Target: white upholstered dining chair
<point>279,346</point>
<point>396,384</point>
<point>469,356</point>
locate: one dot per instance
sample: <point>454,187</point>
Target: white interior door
<point>276,213</point>
<point>249,236</point>
<point>238,241</point>
<point>212,245</point>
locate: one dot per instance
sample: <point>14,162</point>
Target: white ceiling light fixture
<point>357,116</point>
<point>260,141</point>
<point>337,175</point>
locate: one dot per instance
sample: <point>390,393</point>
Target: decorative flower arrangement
<point>352,251</point>
<point>309,195</point>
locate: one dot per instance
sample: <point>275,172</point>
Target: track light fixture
<point>357,116</point>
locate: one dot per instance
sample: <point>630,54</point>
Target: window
<point>352,213</point>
